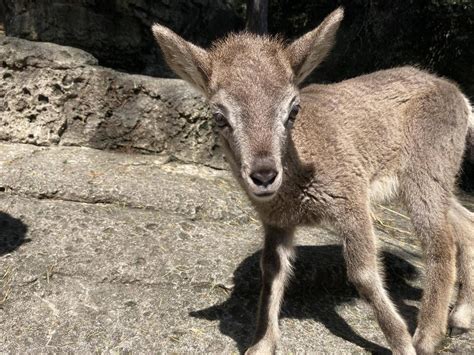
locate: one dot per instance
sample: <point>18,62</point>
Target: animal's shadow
<point>319,285</point>
<point>12,233</point>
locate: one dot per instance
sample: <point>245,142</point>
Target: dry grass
<point>388,227</point>
<point>5,285</point>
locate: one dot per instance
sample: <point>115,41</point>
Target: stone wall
<point>51,94</point>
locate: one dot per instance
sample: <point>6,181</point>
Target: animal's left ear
<point>308,51</point>
<point>190,62</point>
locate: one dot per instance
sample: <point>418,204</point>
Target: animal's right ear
<point>188,61</point>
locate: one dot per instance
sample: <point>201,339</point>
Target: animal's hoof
<point>406,350</point>
<point>460,319</point>
<point>261,348</point>
<point>258,351</point>
<point>424,344</point>
<point>455,331</point>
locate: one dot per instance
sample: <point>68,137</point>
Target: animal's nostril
<point>264,177</point>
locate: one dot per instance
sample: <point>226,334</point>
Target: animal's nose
<point>264,177</point>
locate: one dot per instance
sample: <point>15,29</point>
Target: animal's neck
<point>294,167</point>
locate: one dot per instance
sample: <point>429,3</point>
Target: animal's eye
<point>220,119</point>
<point>294,112</point>
<point>292,116</point>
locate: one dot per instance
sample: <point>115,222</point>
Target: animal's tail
<point>470,131</point>
<point>462,224</point>
<point>463,213</point>
<point>471,116</point>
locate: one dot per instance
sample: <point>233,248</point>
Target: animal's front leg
<point>276,268</point>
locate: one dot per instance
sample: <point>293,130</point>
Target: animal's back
<point>379,122</point>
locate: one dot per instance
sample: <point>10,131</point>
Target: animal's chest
<point>298,205</point>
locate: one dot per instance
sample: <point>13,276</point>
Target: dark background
<point>436,35</point>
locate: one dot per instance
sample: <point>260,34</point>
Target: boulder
<point>53,94</point>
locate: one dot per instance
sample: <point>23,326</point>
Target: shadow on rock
<point>319,285</point>
<point>12,233</point>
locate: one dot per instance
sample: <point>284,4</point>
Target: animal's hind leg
<point>462,222</point>
<point>428,204</point>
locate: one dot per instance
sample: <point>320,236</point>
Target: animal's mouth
<point>264,196</point>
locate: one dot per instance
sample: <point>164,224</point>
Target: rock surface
<point>112,252</point>
<point>51,94</point>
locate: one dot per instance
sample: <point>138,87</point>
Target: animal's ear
<point>308,51</point>
<point>188,61</point>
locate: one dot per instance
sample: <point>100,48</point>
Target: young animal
<point>324,152</point>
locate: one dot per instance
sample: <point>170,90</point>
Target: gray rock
<point>52,94</point>
<point>20,54</point>
<point>88,175</point>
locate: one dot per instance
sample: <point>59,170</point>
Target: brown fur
<point>399,131</point>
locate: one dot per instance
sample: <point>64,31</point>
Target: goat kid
<point>322,153</point>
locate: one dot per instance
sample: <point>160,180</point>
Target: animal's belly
<point>383,189</point>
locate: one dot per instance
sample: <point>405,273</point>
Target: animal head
<point>251,83</point>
